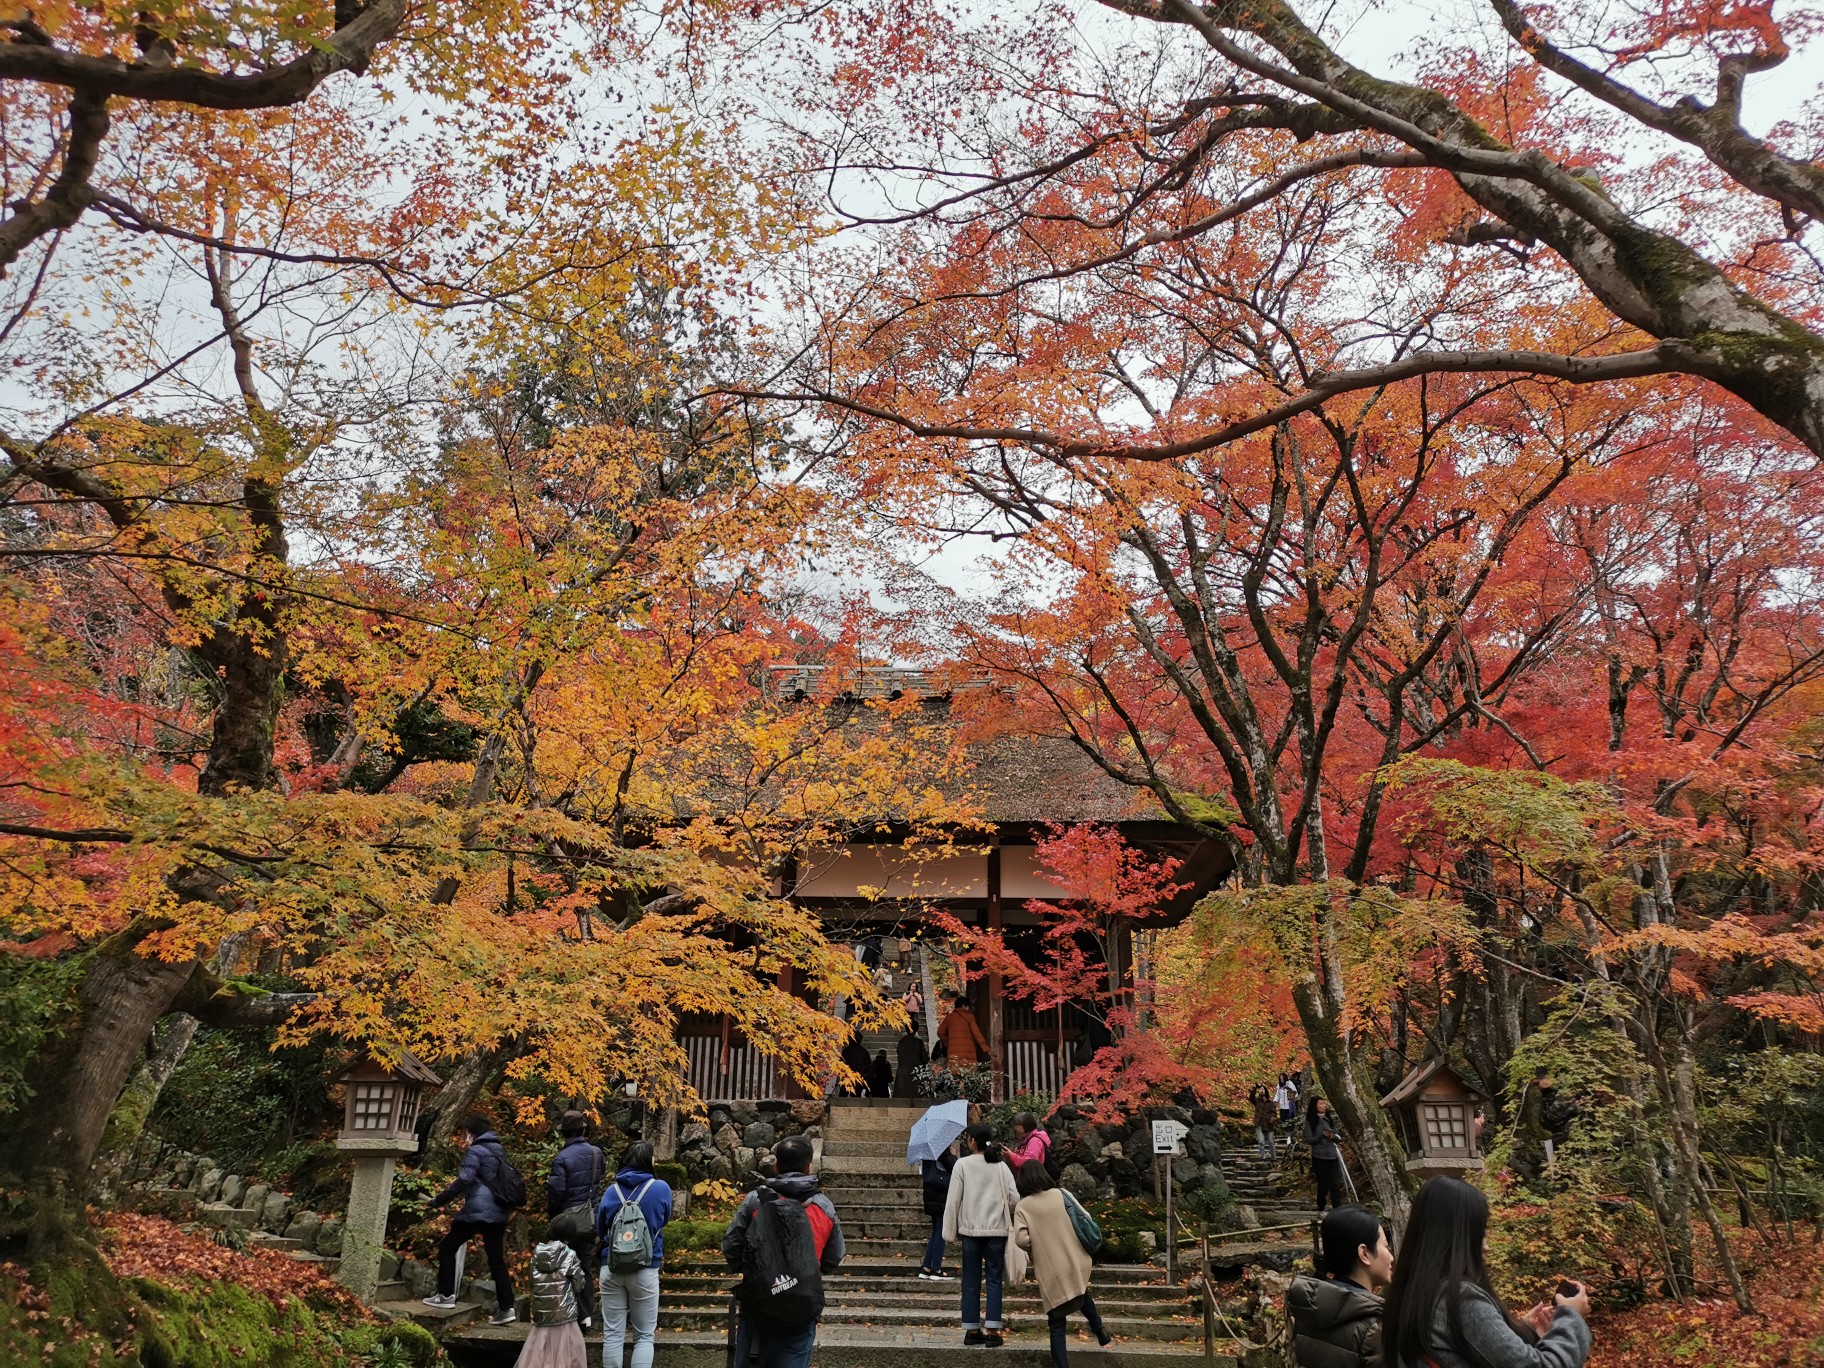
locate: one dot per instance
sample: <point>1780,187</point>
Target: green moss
<point>75,1313</point>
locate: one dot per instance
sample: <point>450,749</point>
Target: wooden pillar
<point>997,1029</point>
<point>790,1088</point>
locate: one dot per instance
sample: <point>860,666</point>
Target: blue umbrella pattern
<point>936,1130</point>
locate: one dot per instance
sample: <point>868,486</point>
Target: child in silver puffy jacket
<point>558,1280</point>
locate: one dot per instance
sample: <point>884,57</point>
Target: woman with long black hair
<point>1336,1316</point>
<point>1326,1158</point>
<point>1442,1311</point>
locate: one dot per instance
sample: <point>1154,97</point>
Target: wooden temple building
<point>869,886</point>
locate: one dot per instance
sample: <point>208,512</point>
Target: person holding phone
<point>1441,1310</point>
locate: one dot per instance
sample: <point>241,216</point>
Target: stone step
<point>866,1149</point>
<point>850,1288</point>
<point>902,1262</point>
<point>1126,1327</point>
<point>941,1303</point>
<point>229,1217</point>
<point>864,1164</point>
<point>438,1320</point>
<point>843,1346</point>
<point>263,1240</point>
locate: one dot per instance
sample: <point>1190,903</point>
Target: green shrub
<point>36,1001</point>
<point>692,1237</point>
<point>1123,1247</point>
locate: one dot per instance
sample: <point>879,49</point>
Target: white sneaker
<point>442,1303</point>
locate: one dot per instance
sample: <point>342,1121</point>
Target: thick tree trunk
<point>457,1097</point>
<point>1349,1088</point>
<point>77,1078</point>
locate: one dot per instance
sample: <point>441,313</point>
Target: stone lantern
<point>379,1127</point>
<point>1436,1113</point>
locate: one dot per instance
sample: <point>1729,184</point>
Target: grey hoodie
<point>1489,1343</point>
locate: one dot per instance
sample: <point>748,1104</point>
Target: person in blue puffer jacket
<point>482,1214</point>
<point>575,1181</point>
<point>630,1298</point>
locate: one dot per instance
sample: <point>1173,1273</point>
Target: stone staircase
<point>878,1313</point>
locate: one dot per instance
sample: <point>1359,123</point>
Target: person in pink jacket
<point>1029,1142</point>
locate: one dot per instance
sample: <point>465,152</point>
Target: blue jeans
<point>770,1347</point>
<point>933,1262</point>
<point>982,1254</point>
<point>1265,1141</point>
<point>630,1302</point>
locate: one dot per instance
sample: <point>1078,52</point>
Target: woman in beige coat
<point>1041,1227</point>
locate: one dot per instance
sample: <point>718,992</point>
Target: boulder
<point>329,1239</point>
<point>1248,1217</point>
<point>813,1132</point>
<point>758,1135</point>
<point>727,1138</point>
<point>743,1113</point>
<point>1184,1171</point>
<point>1149,1241</point>
<point>1209,1177</point>
<point>1204,1144</point>
<point>807,1113</point>
<point>1125,1177</point>
<point>210,1189</point>
<point>254,1199</point>
<point>304,1227</point>
<point>1078,1182</point>
<point>719,1166</point>
<point>275,1212</point>
<point>743,1158</point>
<point>390,1264</point>
<point>693,1135</point>
<point>234,1187</point>
<point>718,1118</point>
<point>1113,1150</point>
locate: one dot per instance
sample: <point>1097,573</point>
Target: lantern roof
<point>1434,1075</point>
<point>368,1065</point>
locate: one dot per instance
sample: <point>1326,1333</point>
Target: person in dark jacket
<point>630,1300</point>
<point>1336,1317</point>
<point>855,1055</point>
<point>911,1054</point>
<point>766,1346</point>
<point>935,1176</point>
<point>1326,1159</point>
<point>482,1214</point>
<point>576,1177</point>
<point>880,1076</point>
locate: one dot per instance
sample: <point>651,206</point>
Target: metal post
<point>1209,1293</point>
<point>1171,1226</point>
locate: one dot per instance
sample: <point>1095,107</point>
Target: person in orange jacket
<point>961,1035</point>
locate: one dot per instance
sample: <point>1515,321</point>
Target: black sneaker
<point>971,1338</point>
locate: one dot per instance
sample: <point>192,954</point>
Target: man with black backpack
<point>783,1239</point>
<point>490,1188</point>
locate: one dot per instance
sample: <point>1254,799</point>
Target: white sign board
<point>1168,1136</point>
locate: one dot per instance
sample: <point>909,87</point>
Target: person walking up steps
<point>961,1034</point>
<point>630,1225</point>
<point>783,1239</point>
<point>570,1192</point>
<point>1043,1228</point>
<point>935,1187</point>
<point>559,1281</point>
<point>488,1186</point>
<point>1326,1159</point>
<point>979,1211</point>
<point>1264,1118</point>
